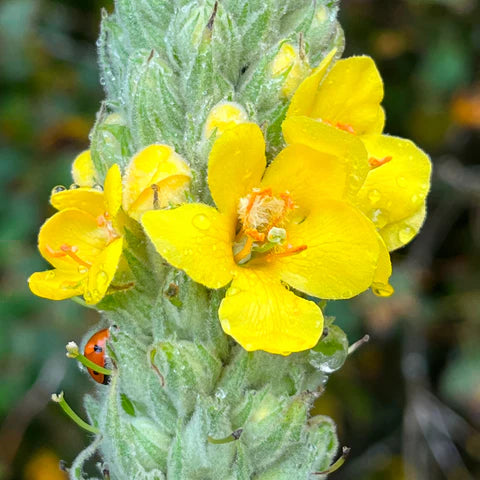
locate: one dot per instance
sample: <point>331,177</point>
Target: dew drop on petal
<point>414,198</point>
<point>82,269</point>
<point>58,189</point>
<point>382,289</point>
<point>374,196</point>
<point>102,279</point>
<point>98,187</point>
<point>74,186</point>
<point>50,275</point>
<point>201,221</point>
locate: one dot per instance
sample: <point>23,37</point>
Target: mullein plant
<point>238,178</point>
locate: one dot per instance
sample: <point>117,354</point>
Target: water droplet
<point>382,289</point>
<point>402,182</point>
<point>406,234</point>
<point>66,285</point>
<point>220,394</point>
<point>102,279</point>
<point>74,186</point>
<point>82,269</point>
<point>374,196</point>
<point>414,198</point>
<point>201,221</point>
<point>58,189</point>
<point>50,275</point>
<point>379,218</point>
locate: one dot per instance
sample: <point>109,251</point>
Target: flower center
<point>261,232</point>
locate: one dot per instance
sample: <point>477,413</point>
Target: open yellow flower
<point>287,224</point>
<point>81,241</point>
<point>156,177</point>
<point>347,98</point>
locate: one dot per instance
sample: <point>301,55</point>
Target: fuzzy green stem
<point>68,410</point>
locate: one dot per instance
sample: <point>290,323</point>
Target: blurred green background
<point>408,402</point>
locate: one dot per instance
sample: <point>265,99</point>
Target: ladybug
<point>95,350</point>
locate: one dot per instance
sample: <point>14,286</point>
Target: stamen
<point>245,251</point>
<point>73,352</point>
<point>235,435</point>
<point>341,126</point>
<point>67,250</point>
<point>289,250</point>
<point>378,162</point>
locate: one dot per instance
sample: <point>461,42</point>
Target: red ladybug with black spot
<point>95,351</point>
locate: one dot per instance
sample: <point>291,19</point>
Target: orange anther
<point>378,162</point>
<point>255,234</point>
<point>289,250</point>
<point>346,127</point>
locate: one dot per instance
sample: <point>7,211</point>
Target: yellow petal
<point>195,238</point>
<point>261,314</point>
<point>83,170</point>
<point>224,116</point>
<point>379,124</point>
<point>113,190</point>
<point>289,61</point>
<point>170,191</point>
<point>303,100</point>
<point>398,234</point>
<point>380,285</point>
<point>236,165</point>
<point>307,175</point>
<point>85,198</point>
<point>348,148</point>
<point>74,228</point>
<point>351,94</point>
<point>396,189</point>
<point>56,284</point>
<point>341,255</point>
<point>151,166</point>
<point>102,272</point>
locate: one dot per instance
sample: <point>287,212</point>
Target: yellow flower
<point>289,59</point>
<point>81,241</point>
<point>156,177</point>
<point>288,224</point>
<point>223,116</point>
<point>347,98</point>
<point>83,170</point>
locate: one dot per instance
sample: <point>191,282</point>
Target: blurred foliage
<point>408,403</point>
